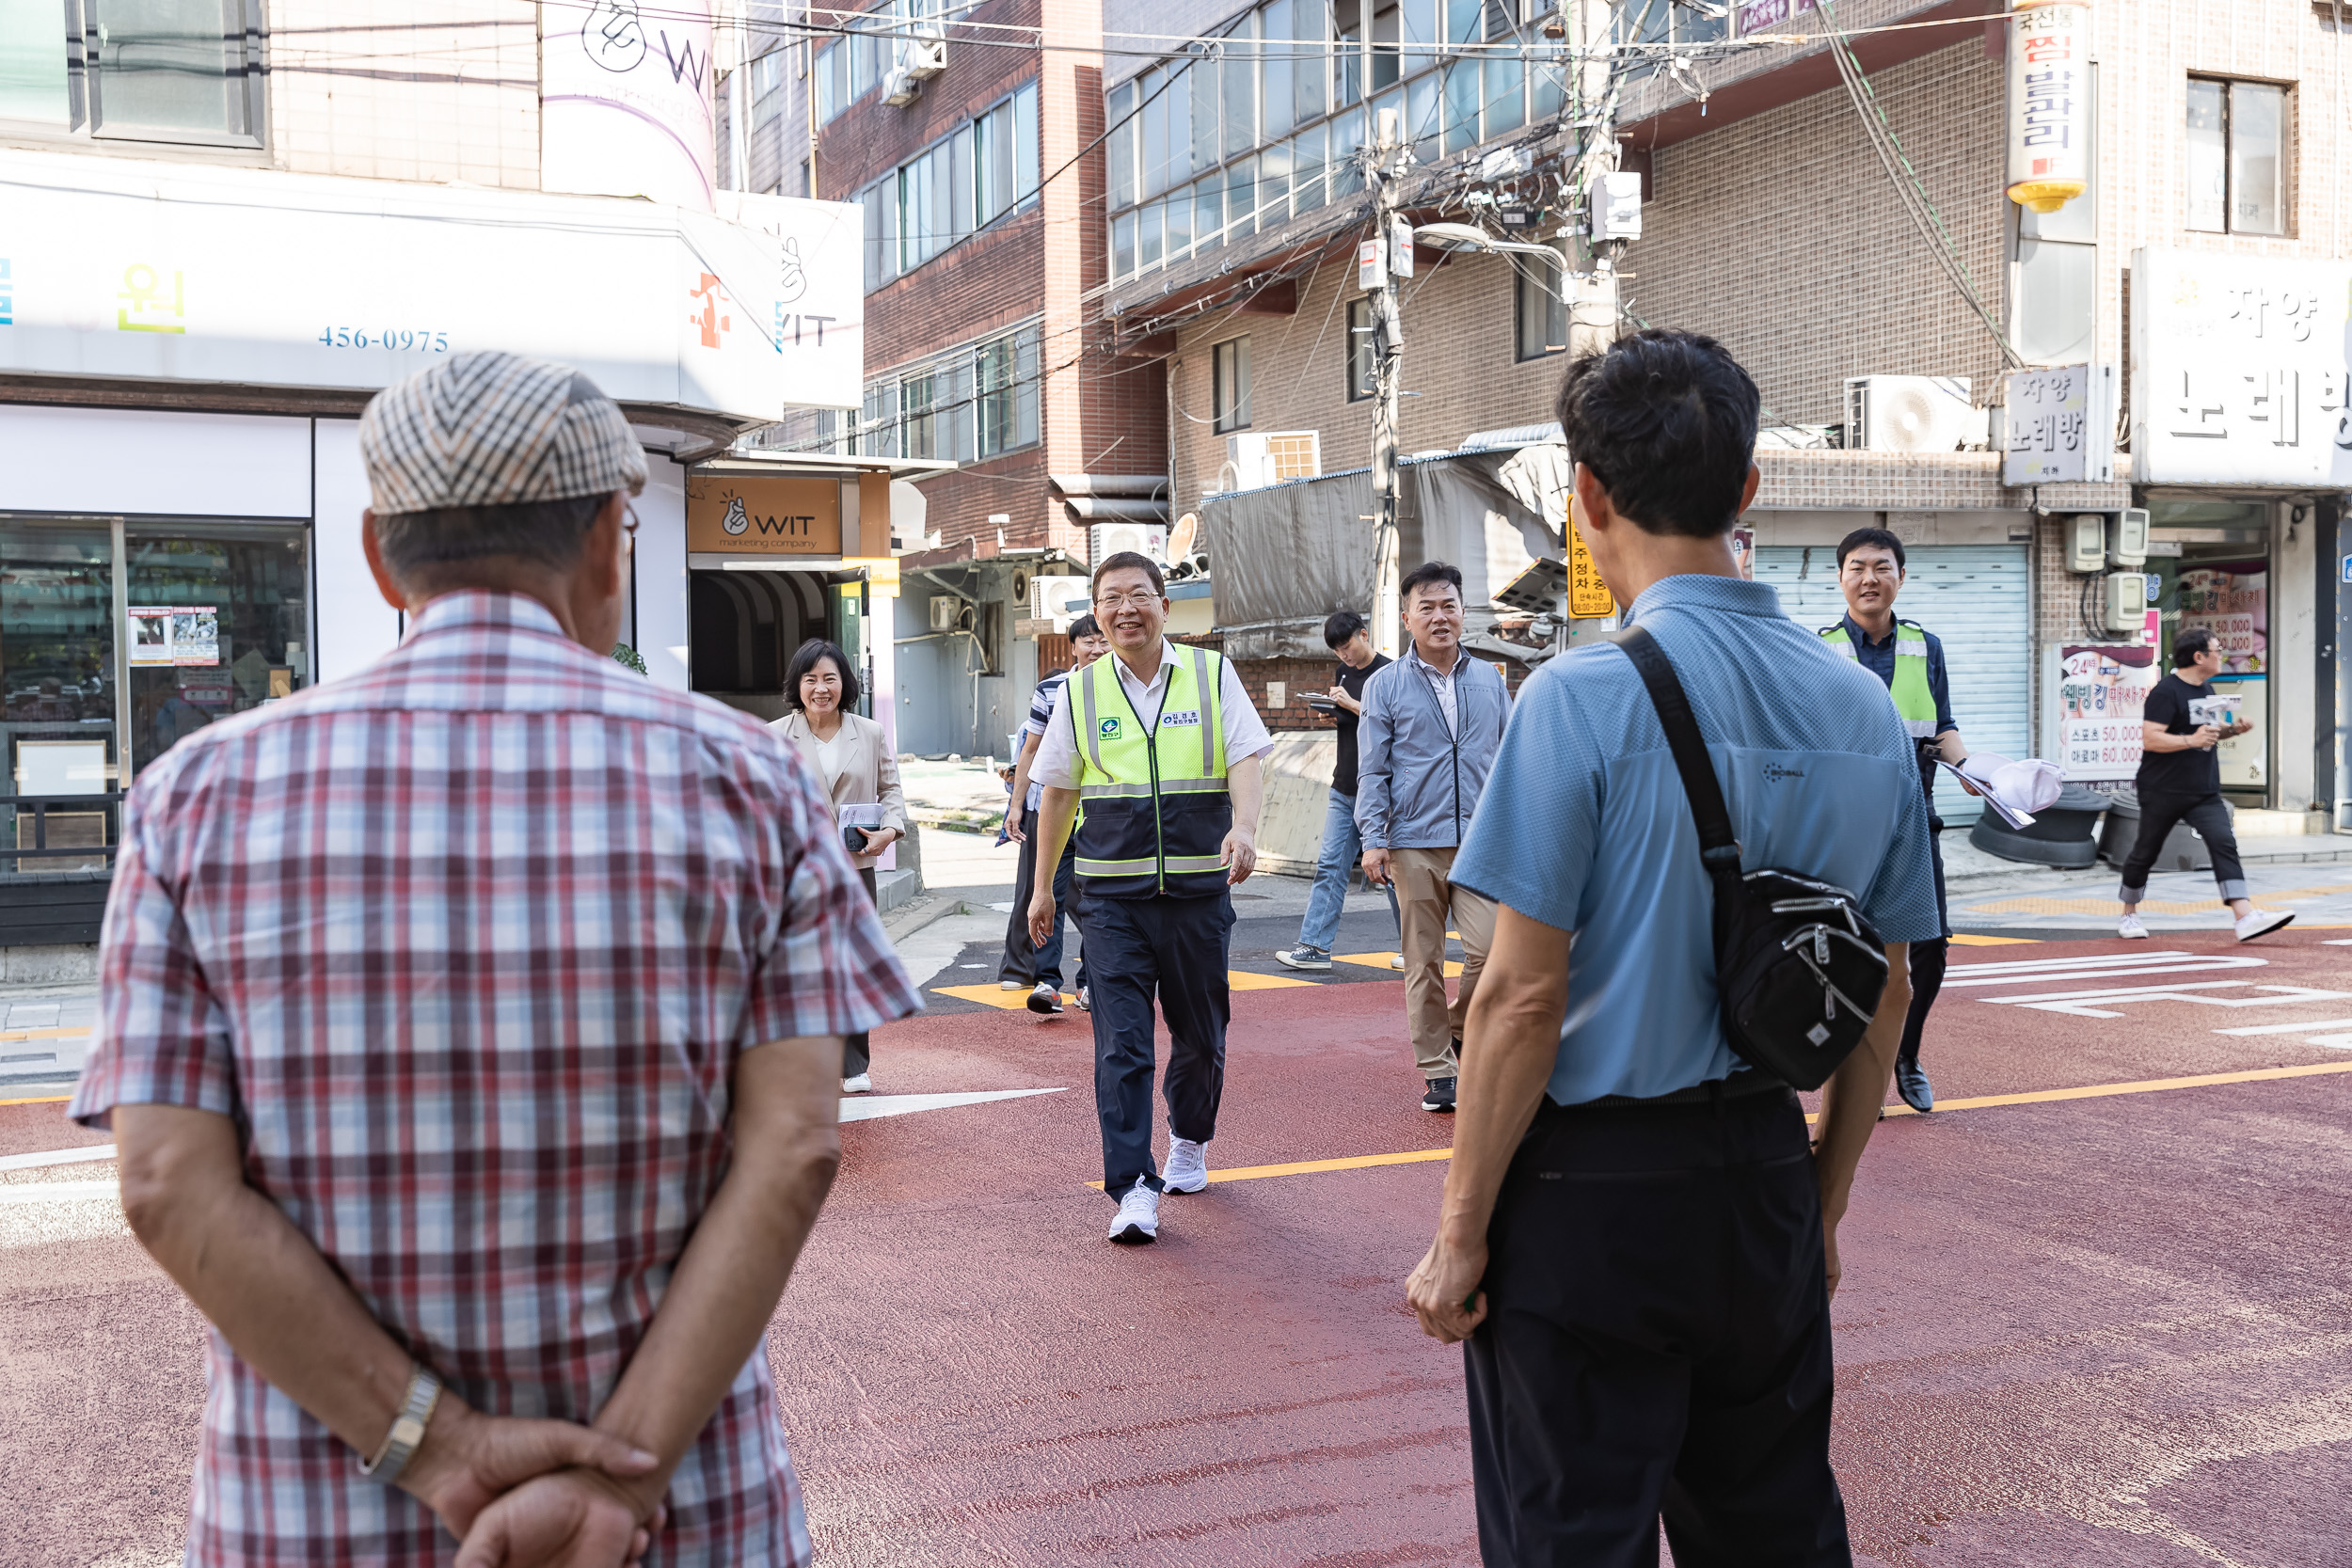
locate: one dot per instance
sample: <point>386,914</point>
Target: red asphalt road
<point>2090,1333</point>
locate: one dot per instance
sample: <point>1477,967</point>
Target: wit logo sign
<point>614,35</point>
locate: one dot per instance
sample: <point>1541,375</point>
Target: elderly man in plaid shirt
<point>471,1032</point>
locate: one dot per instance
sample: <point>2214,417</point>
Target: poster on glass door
<point>184,635</point>
<point>2101,692</point>
<point>2233,602</point>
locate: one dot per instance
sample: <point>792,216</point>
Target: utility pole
<point>1592,298</point>
<point>1377,268</point>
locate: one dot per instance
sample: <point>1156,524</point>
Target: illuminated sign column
<point>2049,104</point>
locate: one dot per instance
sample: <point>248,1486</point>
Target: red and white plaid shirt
<point>468,945</point>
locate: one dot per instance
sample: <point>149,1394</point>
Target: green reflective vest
<point>1915,701</point>
<point>1155,802</point>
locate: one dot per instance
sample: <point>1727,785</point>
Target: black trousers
<point>1927,959</point>
<point>1024,960</point>
<point>856,1053</point>
<point>1173,949</point>
<point>2159,812</point>
<point>1658,1342</point>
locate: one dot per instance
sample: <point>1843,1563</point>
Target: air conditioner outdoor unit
<point>1060,600</point>
<point>1104,540</point>
<point>1258,458</point>
<point>900,87</point>
<point>949,613</point>
<point>921,52</point>
<point>1910,413</point>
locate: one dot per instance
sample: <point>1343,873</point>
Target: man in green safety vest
<point>1161,750</point>
<point>1910,660</point>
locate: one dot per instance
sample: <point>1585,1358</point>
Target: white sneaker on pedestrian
<point>861,1083</point>
<point>1139,1220</point>
<point>2130,927</point>
<point>1012,985</point>
<point>1304,957</point>
<point>1396,960</point>
<point>1187,1167</point>
<point>2261,923</point>
<point>1045,999</point>
<point>1085,1002</point>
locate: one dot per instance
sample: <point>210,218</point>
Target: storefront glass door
<point>57,662</point>
<point>219,622</point>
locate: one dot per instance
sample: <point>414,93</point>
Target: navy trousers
<point>1172,950</point>
<point>1927,959</point>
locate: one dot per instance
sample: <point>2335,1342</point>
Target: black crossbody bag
<point>1797,970</point>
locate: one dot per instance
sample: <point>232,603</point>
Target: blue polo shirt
<point>1584,825</point>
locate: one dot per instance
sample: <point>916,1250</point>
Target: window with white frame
<point>956,186</point>
<point>185,72</point>
<point>1229,391</point>
<point>1540,307</point>
<point>974,402</point>
<point>2237,157</point>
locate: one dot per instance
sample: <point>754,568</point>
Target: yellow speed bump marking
<point>2036,1097</point>
<point>81,1033</point>
<point>40,1100</point>
<point>1381,960</point>
<point>1965,938</point>
<point>1017,1000</point>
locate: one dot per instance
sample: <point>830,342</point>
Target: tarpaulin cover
<point>1286,557</point>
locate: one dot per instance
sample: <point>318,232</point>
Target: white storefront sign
<point>2049,105</point>
<point>249,276</point>
<point>2059,426</point>
<point>625,101</point>
<point>2240,369</point>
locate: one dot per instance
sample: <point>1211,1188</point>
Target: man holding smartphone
<point>2180,781</point>
<point>1346,635</point>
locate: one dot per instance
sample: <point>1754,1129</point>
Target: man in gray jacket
<point>1431,726</point>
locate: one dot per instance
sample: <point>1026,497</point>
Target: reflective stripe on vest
<point>1915,699</point>
<point>1157,808</point>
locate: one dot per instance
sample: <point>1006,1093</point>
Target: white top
<point>830,758</point>
<point>1440,682</point>
<point>1056,766</point>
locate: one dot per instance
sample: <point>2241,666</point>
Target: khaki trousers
<point>1428,904</point>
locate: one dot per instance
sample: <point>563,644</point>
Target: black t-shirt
<point>2192,772</point>
<point>1352,682</point>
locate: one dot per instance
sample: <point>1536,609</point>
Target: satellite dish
<point>1180,541</point>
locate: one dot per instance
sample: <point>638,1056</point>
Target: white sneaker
<point>1045,1000</point>
<point>2130,927</point>
<point>1396,960</point>
<point>1085,1002</point>
<point>2261,923</point>
<point>1012,985</point>
<point>1139,1220</point>
<point>861,1083</point>
<point>1187,1167</point>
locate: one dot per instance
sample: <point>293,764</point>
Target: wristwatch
<point>415,1413</point>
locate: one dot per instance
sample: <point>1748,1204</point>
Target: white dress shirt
<point>1056,766</point>
<point>1440,682</point>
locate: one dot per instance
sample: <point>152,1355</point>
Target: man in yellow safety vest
<point>1160,746</point>
<point>1910,660</point>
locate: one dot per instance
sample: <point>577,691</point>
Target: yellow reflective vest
<point>1914,700</point>
<point>1156,810</point>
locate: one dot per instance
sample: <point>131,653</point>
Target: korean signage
<point>2233,602</point>
<point>2049,104</point>
<point>175,635</point>
<point>2102,690</point>
<point>2057,426</point>
<point>160,272</point>
<point>1587,594</point>
<point>756,515</point>
<point>2239,369</point>
<point>1758,15</point>
<point>625,101</point>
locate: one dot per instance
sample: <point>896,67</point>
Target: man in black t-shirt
<point>1345,635</point>
<point>2180,781</point>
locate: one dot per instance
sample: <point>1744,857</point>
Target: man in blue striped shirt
<point>1637,1242</point>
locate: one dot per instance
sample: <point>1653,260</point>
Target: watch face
<point>408,1432</point>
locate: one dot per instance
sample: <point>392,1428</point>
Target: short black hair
<point>548,533</point>
<point>1130,559</point>
<point>1872,538</point>
<point>810,653</point>
<point>1341,628</point>
<point>1426,574</point>
<point>1666,421</point>
<point>2186,645</point>
<point>1086,625</point>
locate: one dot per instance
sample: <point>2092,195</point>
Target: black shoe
<point>1044,998</point>
<point>1913,1085</point>
<point>1439,1095</point>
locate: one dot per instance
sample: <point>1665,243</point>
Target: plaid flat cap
<point>485,428</point>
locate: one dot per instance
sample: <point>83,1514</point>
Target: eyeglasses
<point>1114,602</point>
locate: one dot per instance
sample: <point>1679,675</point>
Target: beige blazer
<point>869,774</point>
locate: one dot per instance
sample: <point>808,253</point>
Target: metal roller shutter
<point>1974,598</point>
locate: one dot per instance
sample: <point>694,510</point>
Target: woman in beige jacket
<point>851,755</point>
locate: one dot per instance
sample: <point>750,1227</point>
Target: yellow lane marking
<point>45,1034</point>
<point>40,1100</point>
<point>2036,1097</point>
<point>1963,938</point>
<point>991,996</point>
<point>1241,979</point>
<point>1381,960</point>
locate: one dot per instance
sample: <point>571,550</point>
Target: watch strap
<point>407,1428</point>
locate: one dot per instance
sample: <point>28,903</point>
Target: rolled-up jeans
<point>1343,847</point>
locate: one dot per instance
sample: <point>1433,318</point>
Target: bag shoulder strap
<point>1719,849</point>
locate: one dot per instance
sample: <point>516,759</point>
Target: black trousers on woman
<point>856,1056</point>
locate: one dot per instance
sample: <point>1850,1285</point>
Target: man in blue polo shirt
<point>1636,1239</point>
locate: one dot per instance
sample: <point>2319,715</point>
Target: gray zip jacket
<point>1417,783</point>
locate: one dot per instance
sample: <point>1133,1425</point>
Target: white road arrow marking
<point>2093,967</point>
<point>58,1157</point>
<point>59,1192</point>
<point>866,1108</point>
<point>2080,1004</point>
